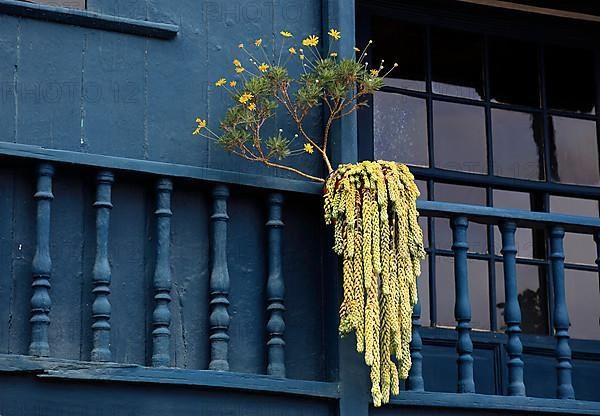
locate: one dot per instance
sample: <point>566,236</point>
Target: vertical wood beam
<point>42,265</point>
<point>415,380</point>
<point>512,311</point>
<point>101,276</point>
<point>219,283</point>
<point>564,366</point>
<point>462,306</point>
<point>275,289</point>
<point>161,317</point>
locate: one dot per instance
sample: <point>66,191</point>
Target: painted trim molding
<point>90,19</point>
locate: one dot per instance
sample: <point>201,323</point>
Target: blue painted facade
<point>146,272</point>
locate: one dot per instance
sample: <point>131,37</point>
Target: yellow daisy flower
<point>263,67</point>
<point>240,69</point>
<point>220,82</point>
<point>333,54</point>
<point>232,83</point>
<point>301,57</point>
<point>374,72</point>
<point>251,106</point>
<point>237,62</point>
<point>201,125</point>
<point>308,148</point>
<point>292,50</point>
<point>336,34</point>
<point>312,40</point>
<point>356,49</point>
<point>258,42</point>
<point>241,46</point>
<point>285,34</point>
<point>245,97</point>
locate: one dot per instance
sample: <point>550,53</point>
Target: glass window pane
<point>478,292</point>
<point>574,156</point>
<point>400,128</point>
<point>533,300</point>
<point>394,40</point>
<point>518,144</point>
<point>514,74</point>
<point>457,64</point>
<point>476,233</point>
<point>583,302</point>
<point>459,137</point>
<point>570,80</point>
<point>580,248</point>
<point>523,236</point>
<point>573,206</point>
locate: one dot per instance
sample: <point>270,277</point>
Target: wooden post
<point>101,308</point>
<point>462,306</point>
<point>42,265</point>
<point>219,283</point>
<point>564,366</point>
<point>512,311</point>
<point>275,289</point>
<point>161,318</point>
<point>415,380</point>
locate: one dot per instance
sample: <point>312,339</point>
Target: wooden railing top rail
<point>528,219</point>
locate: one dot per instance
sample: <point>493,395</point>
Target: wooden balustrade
<point>42,265</point>
<point>101,276</point>
<point>275,289</point>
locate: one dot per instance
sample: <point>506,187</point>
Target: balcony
<point>154,282</point>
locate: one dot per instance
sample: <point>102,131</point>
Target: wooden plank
<point>90,19</point>
<point>10,30</point>
<point>7,246</point>
<point>488,215</point>
<point>160,168</point>
<point>496,403</point>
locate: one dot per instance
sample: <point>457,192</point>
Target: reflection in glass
<point>573,206</point>
<point>476,233</point>
<point>583,303</point>
<point>459,137</point>
<point>478,292</point>
<point>393,40</point>
<point>400,128</point>
<point>574,151</point>
<point>580,248</point>
<point>457,64</point>
<point>570,80</point>
<point>523,236</point>
<point>533,300</point>
<point>513,73</point>
<point>518,144</point>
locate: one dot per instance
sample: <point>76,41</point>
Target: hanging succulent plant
<point>372,205</point>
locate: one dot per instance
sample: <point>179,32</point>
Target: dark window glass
<point>573,206</point>
<point>570,83</point>
<point>478,292</point>
<point>459,137</point>
<point>518,144</point>
<point>396,41</point>
<point>583,302</point>
<point>523,236</point>
<point>400,128</point>
<point>513,68</point>
<point>532,291</point>
<point>476,233</point>
<point>457,64</point>
<point>574,151</point>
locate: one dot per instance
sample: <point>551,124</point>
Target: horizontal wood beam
<point>130,373</point>
<point>159,168</point>
<point>85,18</point>
<point>527,8</point>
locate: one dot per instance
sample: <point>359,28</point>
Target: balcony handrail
<point>522,218</point>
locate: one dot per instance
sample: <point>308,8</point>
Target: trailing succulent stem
<point>372,206</point>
